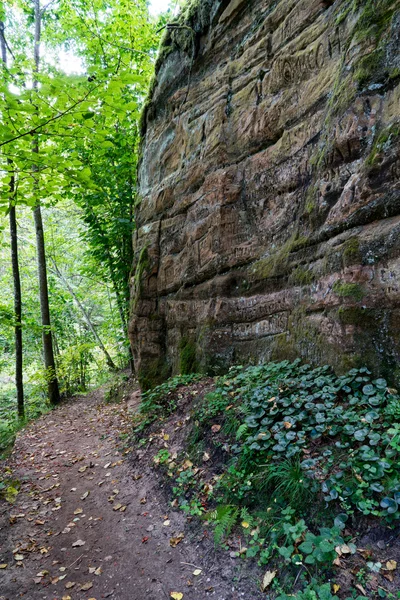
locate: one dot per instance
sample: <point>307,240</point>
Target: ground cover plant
<point>302,460</point>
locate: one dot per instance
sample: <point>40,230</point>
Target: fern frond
<point>225,519</point>
<point>241,431</point>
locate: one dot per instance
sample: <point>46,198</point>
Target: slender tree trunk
<point>86,316</point>
<point>19,383</point>
<point>49,362</point>
<point>17,311</point>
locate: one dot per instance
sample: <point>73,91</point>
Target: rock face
<point>269,219</point>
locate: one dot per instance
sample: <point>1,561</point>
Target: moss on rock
<point>351,252</point>
<point>187,356</point>
<point>349,290</point>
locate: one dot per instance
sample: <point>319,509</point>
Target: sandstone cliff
<point>269,218</point>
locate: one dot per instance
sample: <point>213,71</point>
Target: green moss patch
<point>349,290</point>
<point>187,356</point>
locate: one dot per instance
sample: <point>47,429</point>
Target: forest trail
<point>88,525</point>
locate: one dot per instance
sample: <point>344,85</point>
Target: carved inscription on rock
<point>270,194</point>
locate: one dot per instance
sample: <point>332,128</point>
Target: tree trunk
<point>19,383</point>
<point>49,362</point>
<point>86,316</point>
<point>52,381</point>
<point>17,309</point>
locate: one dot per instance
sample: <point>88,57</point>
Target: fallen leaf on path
<point>78,543</point>
<point>145,539</point>
<point>176,595</point>
<point>82,469</point>
<point>78,511</point>
<point>18,556</point>
<point>117,506</point>
<point>66,598</point>
<point>143,501</point>
<point>215,428</point>
<point>336,588</point>
<point>391,565</point>
<point>267,579</point>
<point>167,523</point>
<point>197,572</point>
<point>70,584</point>
<point>361,589</point>
<point>3,566</point>
<point>206,457</point>
<point>174,541</point>
<point>86,586</point>
<point>85,495</point>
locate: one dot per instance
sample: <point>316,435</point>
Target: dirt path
<point>87,524</point>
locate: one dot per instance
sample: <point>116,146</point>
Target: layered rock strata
<point>269,216</point>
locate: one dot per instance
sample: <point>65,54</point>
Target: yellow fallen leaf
<point>176,595</point>
<point>245,524</point>
<point>86,586</point>
<point>267,579</point>
<point>18,556</point>
<point>174,541</point>
<point>197,572</point>
<point>69,585</point>
<point>66,598</point>
<point>391,565</point>
<point>117,506</point>
<point>78,511</point>
<point>3,566</point>
<point>336,588</point>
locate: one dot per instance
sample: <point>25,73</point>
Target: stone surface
<point>269,219</point>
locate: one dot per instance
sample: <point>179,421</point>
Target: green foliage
<point>287,408</point>
<point>162,400</point>
<point>36,405</point>
<point>224,517</point>
<point>315,591</point>
<point>162,457</point>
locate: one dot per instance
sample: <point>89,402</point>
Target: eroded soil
<point>90,523</point>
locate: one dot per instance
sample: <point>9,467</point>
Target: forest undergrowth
<point>293,467</point>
